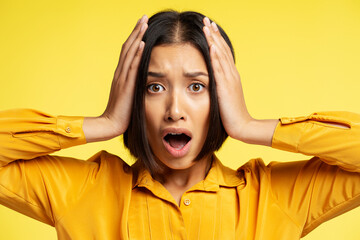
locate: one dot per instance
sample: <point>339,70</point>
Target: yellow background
<point>295,57</point>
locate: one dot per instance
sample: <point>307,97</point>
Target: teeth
<point>174,134</point>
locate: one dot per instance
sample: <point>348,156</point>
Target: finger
<point>133,34</point>
<point>118,85</point>
<point>221,44</point>
<point>215,37</point>
<point>209,32</point>
<point>125,47</point>
<point>130,50</point>
<point>120,67</point>
<point>208,36</point>
<point>206,30</point>
<point>219,38</point>
<point>218,69</point>
<point>225,48</point>
<point>206,21</point>
<point>223,61</point>
<point>128,59</point>
<point>133,70</point>
<point>224,53</point>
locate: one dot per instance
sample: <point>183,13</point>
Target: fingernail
<point>143,18</point>
<point>207,21</point>
<point>207,31</point>
<point>141,45</point>
<point>214,26</point>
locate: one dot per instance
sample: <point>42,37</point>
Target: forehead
<point>184,57</point>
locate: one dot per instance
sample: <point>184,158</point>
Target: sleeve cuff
<point>287,135</point>
<point>289,131</point>
<point>69,131</point>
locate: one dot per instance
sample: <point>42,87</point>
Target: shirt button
<point>68,130</point>
<point>187,202</point>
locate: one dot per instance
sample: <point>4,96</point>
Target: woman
<point>176,96</point>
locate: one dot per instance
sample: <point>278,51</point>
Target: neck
<point>178,181</point>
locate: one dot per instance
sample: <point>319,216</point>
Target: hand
<point>116,117</point>
<point>233,111</point>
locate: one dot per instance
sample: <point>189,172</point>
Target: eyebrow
<point>187,74</point>
<point>195,74</point>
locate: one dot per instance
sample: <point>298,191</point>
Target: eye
<point>155,88</point>
<point>196,87</point>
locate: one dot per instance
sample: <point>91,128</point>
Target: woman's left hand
<point>233,111</point>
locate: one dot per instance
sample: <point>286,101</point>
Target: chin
<point>178,163</point>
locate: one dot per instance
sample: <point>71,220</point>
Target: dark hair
<point>171,27</point>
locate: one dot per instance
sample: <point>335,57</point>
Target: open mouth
<point>177,140</point>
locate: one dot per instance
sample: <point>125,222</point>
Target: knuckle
<point>133,66</point>
<point>217,69</point>
<point>124,45</point>
<point>138,53</point>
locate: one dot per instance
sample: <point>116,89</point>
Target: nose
<point>175,108</point>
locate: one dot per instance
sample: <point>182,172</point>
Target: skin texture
<point>234,114</point>
<point>178,98</point>
<point>164,109</point>
<point>116,117</point>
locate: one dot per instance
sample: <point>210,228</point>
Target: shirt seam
<point>57,135</point>
<point>17,195</point>
<point>48,200</point>
<point>316,222</point>
<point>73,204</point>
<point>278,204</point>
<point>270,181</point>
<point>299,140</point>
<point>316,123</point>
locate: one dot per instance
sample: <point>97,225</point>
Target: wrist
<point>240,130</point>
<point>255,131</point>
<point>100,128</point>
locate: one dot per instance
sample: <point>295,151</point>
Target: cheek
<point>151,117</point>
<point>201,109</point>
<point>205,117</point>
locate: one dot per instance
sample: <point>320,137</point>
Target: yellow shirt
<point>99,199</point>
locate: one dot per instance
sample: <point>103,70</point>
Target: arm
<point>31,181</point>
<point>116,117</point>
<point>43,186</point>
<point>309,192</point>
<point>27,134</point>
<point>234,114</point>
<point>314,191</point>
<point>332,136</point>
<point>237,121</point>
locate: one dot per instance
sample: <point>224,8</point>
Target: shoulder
<point>110,165</point>
<point>257,173</point>
<point>258,167</point>
<point>254,167</point>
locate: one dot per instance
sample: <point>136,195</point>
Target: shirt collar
<point>218,175</point>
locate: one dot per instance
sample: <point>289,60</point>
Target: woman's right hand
<point>116,117</point>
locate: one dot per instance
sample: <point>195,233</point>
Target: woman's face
<point>177,104</point>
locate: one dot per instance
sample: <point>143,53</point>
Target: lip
<point>177,153</point>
